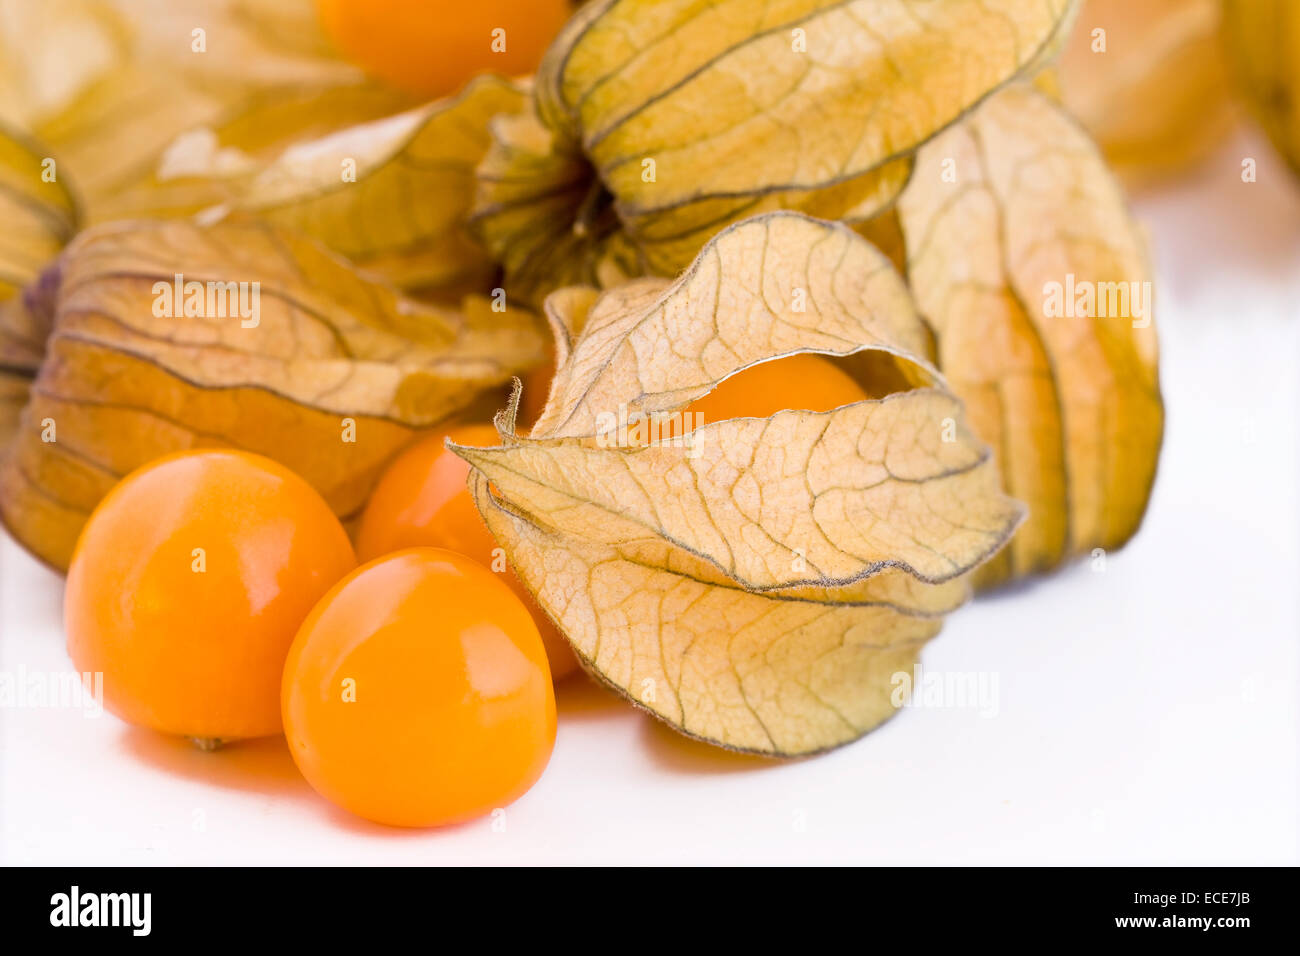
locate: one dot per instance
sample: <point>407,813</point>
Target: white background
<point>1145,714</point>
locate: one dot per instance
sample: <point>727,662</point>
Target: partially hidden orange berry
<point>537,389</point>
<point>431,47</point>
<point>188,584</point>
<point>417,692</point>
<point>803,381</point>
<point>422,501</point>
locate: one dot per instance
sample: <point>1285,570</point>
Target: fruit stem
<point>596,206</point>
<point>206,744</point>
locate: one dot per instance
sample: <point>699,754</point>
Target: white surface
<point>1145,714</point>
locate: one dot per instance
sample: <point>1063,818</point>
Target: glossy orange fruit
<point>417,692</point>
<point>800,381</point>
<point>432,47</point>
<point>422,501</point>
<point>188,584</point>
<point>537,389</point>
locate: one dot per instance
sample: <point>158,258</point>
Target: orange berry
<point>537,389</point>
<point>188,584</point>
<point>422,501</point>
<point>417,692</point>
<point>430,48</point>
<point>801,381</point>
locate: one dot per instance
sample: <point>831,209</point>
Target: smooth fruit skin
<point>417,692</point>
<point>800,381</point>
<point>422,500</point>
<point>192,642</point>
<point>432,47</point>
<point>537,389</point>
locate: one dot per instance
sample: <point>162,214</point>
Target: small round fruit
<point>431,47</point>
<point>422,501</point>
<point>417,692</point>
<point>803,381</point>
<point>188,584</point>
<point>537,389</point>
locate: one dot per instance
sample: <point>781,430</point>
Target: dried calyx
<point>652,129</point>
<point>830,543</point>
